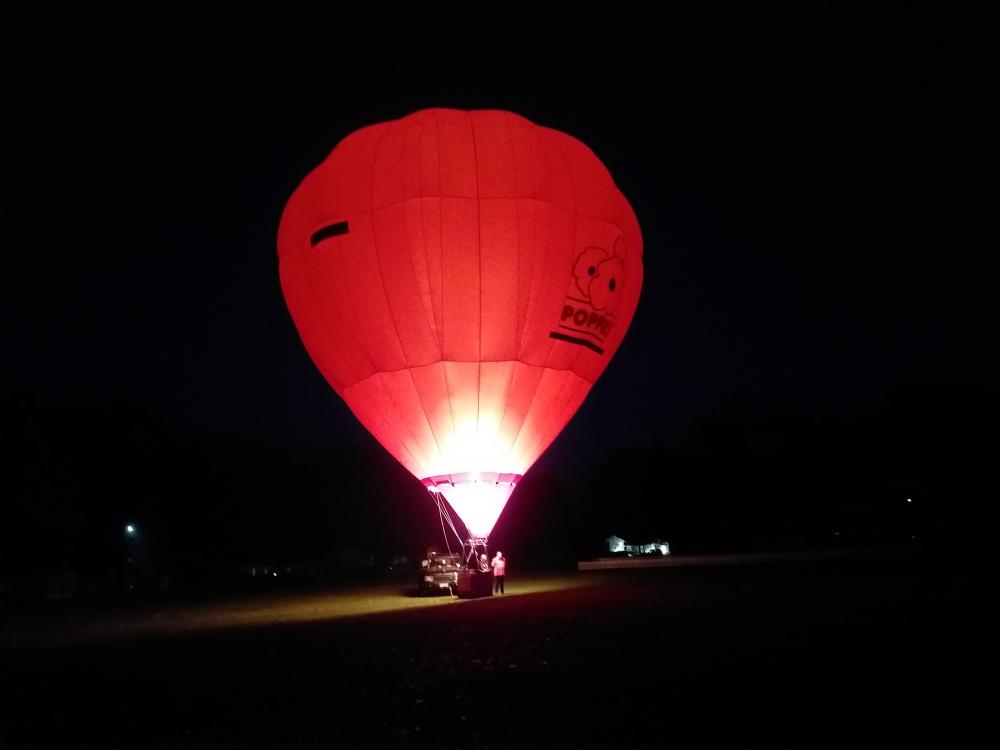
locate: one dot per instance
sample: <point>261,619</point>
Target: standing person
<point>499,572</point>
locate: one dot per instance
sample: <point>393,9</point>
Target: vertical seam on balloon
<point>409,244</point>
<point>517,282</point>
<point>576,229</point>
<point>533,141</point>
<point>423,244</point>
<point>430,427</point>
<point>401,420</point>
<point>440,199</point>
<point>555,399</point>
<point>444,369</point>
<point>479,397</point>
<point>479,274</point>
<point>378,377</point>
<point>567,376</point>
<point>534,226</point>
<point>506,402</point>
<point>378,256</point>
<point>304,276</point>
<point>447,391</point>
<point>423,241</point>
<point>517,230</point>
<point>527,411</point>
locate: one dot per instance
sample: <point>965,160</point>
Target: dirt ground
<point>859,651</point>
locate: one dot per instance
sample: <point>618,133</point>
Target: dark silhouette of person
<point>499,572</point>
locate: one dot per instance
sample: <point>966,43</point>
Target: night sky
<point>811,189</point>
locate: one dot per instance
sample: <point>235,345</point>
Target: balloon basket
<point>474,584</point>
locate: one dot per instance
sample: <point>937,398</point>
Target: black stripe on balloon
<point>585,333</point>
<point>574,340</point>
<point>333,230</point>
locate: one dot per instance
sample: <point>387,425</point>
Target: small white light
<point>909,500</point>
<point>130,529</point>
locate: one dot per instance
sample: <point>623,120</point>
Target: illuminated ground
<point>168,618</point>
<point>866,648</point>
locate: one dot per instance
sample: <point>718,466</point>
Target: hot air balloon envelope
<point>461,279</point>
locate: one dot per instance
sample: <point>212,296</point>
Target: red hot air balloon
<point>461,279</point>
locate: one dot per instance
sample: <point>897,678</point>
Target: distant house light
<point>617,544</point>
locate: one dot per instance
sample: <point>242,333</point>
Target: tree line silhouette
<point>916,471</point>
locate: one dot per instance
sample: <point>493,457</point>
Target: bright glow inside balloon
<point>473,459</point>
<point>469,450</point>
<point>478,504</point>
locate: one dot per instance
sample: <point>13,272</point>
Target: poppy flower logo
<point>598,276</point>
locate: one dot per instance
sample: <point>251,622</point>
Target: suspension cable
<point>445,517</point>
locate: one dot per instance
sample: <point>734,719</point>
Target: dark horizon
<point>815,320</point>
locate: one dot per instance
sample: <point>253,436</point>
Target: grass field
<point>861,649</point>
